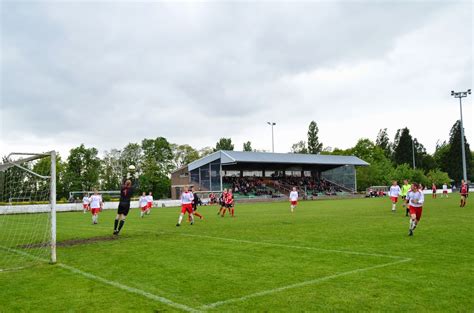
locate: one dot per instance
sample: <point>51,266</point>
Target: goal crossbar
<point>31,172</point>
<point>32,157</point>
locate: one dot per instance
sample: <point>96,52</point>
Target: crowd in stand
<point>257,185</point>
<point>310,184</point>
<point>247,185</point>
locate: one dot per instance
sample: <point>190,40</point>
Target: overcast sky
<point>106,74</point>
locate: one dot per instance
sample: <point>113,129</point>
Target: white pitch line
<point>5,270</point>
<point>295,247</point>
<point>110,282</point>
<point>297,285</point>
<point>129,289</point>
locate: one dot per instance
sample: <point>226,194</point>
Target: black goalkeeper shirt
<point>126,194</point>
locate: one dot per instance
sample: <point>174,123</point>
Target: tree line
<point>391,160</point>
<point>155,159</point>
<point>85,170</point>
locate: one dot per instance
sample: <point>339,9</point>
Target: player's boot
<point>410,232</point>
<point>178,224</point>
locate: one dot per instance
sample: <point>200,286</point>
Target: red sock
<point>232,210</point>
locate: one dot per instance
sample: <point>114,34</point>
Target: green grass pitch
<point>330,255</point>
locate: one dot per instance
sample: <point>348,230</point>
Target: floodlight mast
<point>273,142</point>
<point>460,95</point>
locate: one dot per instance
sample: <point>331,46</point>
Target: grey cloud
<point>108,63</point>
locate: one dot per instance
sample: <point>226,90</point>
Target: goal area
<point>27,210</point>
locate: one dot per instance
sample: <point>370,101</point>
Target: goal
<point>27,210</point>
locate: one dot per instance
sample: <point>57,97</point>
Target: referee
<point>126,193</point>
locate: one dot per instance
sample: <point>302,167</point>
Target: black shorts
<point>195,208</point>
<point>404,197</point>
<point>123,208</point>
<point>228,205</point>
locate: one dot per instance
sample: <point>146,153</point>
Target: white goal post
<point>41,187</point>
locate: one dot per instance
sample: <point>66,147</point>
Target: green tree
<point>158,151</point>
<point>224,144</point>
<point>369,152</point>
<point>405,171</point>
<point>426,162</point>
<point>441,156</point>
<point>402,147</point>
<point>82,169</point>
<point>111,170</point>
<point>156,182</point>
<point>378,172</point>
<point>183,154</point>
<point>384,142</point>
<point>337,151</point>
<point>314,146</point>
<point>299,147</point>
<point>247,146</point>
<point>205,151</point>
<point>132,154</point>
<point>422,158</point>
<point>156,166</point>
<point>438,177</point>
<point>454,156</point>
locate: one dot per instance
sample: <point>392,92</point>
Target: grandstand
<point>261,174</point>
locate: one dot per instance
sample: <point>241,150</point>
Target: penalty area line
<point>109,282</point>
<point>297,285</point>
<point>296,247</point>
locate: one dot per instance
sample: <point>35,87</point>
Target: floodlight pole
<point>273,142</point>
<point>460,95</point>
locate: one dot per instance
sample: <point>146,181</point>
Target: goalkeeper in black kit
<point>126,192</point>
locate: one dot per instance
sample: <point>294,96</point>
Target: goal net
<point>27,210</point>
